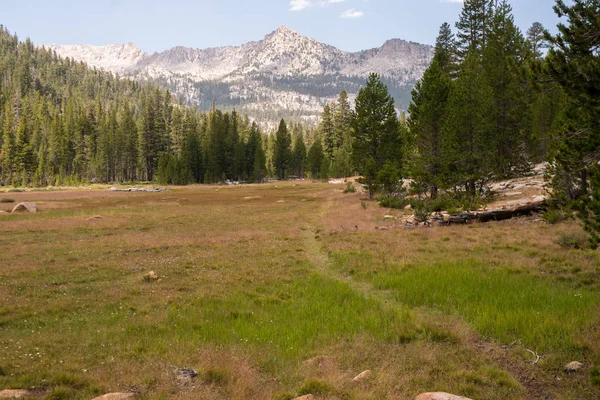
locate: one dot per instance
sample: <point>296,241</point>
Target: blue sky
<point>159,24</point>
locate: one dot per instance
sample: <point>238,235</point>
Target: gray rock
<point>25,207</point>
<point>573,366</point>
<point>363,376</point>
<point>14,394</point>
<point>440,396</point>
<point>116,396</point>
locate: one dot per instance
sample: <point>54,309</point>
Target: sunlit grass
<point>543,314</point>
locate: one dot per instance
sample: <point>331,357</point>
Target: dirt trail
<point>536,385</point>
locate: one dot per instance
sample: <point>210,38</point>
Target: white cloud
<point>352,13</point>
<point>298,5</point>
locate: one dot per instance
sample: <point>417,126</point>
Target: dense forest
<point>493,102</point>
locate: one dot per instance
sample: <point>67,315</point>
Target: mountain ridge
<point>286,73</point>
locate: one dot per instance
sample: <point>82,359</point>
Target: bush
<point>393,202</point>
<point>7,200</point>
<point>555,216</point>
<point>575,240</point>
<point>349,188</point>
<point>422,211</point>
<point>451,202</point>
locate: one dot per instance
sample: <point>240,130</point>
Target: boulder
<point>387,217</point>
<point>362,376</point>
<point>408,207</point>
<point>14,394</point>
<point>305,397</point>
<point>573,366</point>
<point>116,396</point>
<point>440,396</point>
<point>151,276</point>
<point>25,207</point>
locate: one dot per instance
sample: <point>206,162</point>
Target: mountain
<point>284,75</point>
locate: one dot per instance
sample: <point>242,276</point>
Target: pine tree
<point>467,131</point>
<point>327,131</point>
<point>427,114</point>
<point>536,40</point>
<point>342,118</point>
<point>473,27</point>
<point>376,136</point>
<point>445,49</point>
<point>316,160</point>
<point>573,62</point>
<point>8,144</point>
<point>299,156</point>
<point>281,151</point>
<point>505,63</point>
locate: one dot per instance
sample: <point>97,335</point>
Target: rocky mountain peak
<point>285,74</point>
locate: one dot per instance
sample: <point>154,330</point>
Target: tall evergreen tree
<point>445,49</point>
<point>8,144</point>
<point>282,151</point>
<point>427,114</point>
<point>376,136</point>
<point>467,132</point>
<point>536,40</point>
<point>327,131</point>
<point>573,62</point>
<point>505,63</point>
<point>299,156</point>
<point>473,27</point>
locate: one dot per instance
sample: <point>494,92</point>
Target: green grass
<point>267,300</point>
<point>286,323</point>
<point>541,313</point>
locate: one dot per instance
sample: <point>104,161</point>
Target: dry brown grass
<point>77,318</point>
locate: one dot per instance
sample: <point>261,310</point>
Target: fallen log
<point>498,214</point>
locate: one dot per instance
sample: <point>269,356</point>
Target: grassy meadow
<point>277,290</point>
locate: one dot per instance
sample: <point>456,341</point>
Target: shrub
<point>555,216</point>
<point>393,202</point>
<point>575,240</point>
<point>349,188</point>
<point>422,211</point>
